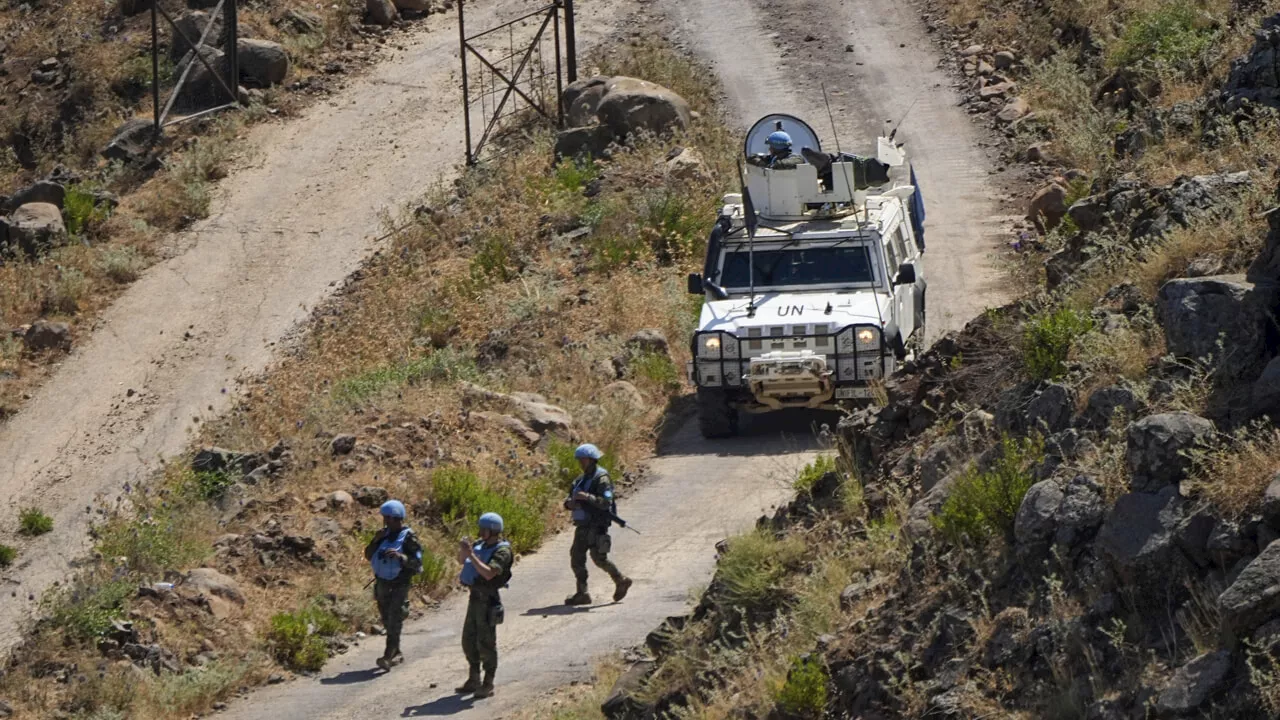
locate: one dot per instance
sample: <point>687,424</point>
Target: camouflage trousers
<point>480,633</point>
<point>393,608</point>
<point>596,543</point>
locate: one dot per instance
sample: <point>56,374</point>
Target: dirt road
<point>879,68</point>
<point>697,497</point>
<point>283,231</point>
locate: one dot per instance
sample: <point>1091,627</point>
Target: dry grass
<point>1233,476</point>
<point>576,702</point>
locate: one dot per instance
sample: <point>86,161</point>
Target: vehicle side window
<point>900,244</point>
<point>893,256</point>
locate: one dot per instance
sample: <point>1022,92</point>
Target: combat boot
<point>486,688</point>
<point>471,685</point>
<point>620,589</point>
<point>579,598</point>
<point>386,662</point>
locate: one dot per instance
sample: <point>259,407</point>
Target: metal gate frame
<point>552,18</point>
<point>227,84</point>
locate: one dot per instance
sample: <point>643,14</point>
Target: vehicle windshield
<point>845,265</point>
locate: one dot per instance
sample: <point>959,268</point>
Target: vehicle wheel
<point>716,417</point>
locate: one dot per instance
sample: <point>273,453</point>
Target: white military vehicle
<point>814,285</point>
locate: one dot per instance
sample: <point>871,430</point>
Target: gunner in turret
<point>780,156</point>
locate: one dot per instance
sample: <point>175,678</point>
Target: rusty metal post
<point>570,40</point>
<point>555,12</point>
<point>155,70</point>
<point>466,92</point>
<point>229,21</point>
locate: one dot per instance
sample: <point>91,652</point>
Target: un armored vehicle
<point>813,282</point>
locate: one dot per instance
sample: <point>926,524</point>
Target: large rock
<point>1036,521</point>
<point>212,582</point>
<point>1265,398</point>
<point>1254,597</point>
<point>621,393</point>
<point>45,335</point>
<point>1138,538</point>
<point>1062,515</point>
<point>44,191</point>
<point>544,418</point>
<point>940,460</point>
<point>1051,408</point>
<point>1255,78</point>
<point>1013,111</point>
<point>1107,404</point>
<point>1219,320</point>
<point>380,12</point>
<point>1194,684</point>
<point>37,227</point>
<point>1271,502</point>
<point>688,166</point>
<point>203,89</point>
<point>623,702</point>
<point>1157,447</point>
<point>1048,207</point>
<point>632,106</point>
<point>515,426</point>
<point>582,98</point>
<point>131,141</point>
<point>261,62</point>
<point>189,27</point>
<point>415,6</point>
<point>592,140</point>
<point>649,341</point>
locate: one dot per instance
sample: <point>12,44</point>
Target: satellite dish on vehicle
<point>802,136</point>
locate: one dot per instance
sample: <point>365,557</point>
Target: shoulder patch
<point>608,494</point>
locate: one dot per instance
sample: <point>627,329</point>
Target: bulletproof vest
<point>582,514</point>
<point>470,575</point>
<point>385,568</point>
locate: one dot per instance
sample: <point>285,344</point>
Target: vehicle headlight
<point>867,337</point>
<point>711,343</point>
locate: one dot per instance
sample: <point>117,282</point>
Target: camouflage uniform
<point>392,596</point>
<point>591,531</point>
<point>480,629</point>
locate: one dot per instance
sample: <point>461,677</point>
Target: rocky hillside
<point>1069,509</point>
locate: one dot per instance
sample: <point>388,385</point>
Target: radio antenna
<point>835,134</point>
<point>893,133</point>
<point>750,219</point>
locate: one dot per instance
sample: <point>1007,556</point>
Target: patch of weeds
<point>7,555</point>
<point>804,694</point>
<point>754,565</point>
<point>573,175</point>
<point>167,537</point>
<point>67,291</point>
<point>1173,37</point>
<point>810,474</point>
<point>984,503</point>
<point>435,568</point>
<point>33,522</point>
<point>674,225</point>
<point>462,498</point>
<point>185,693</point>
<point>207,484</point>
<point>1047,340</point>
<point>1083,135</point>
<point>80,210</point>
<point>87,613</point>
<point>1264,675</point>
<point>445,364</point>
<point>497,259</point>
<point>658,369</point>
<point>297,639</point>
<point>1233,475</point>
<point>120,264</point>
<point>566,467</point>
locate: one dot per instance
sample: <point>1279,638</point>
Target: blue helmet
<point>779,140</point>
<point>588,451</point>
<point>393,509</point>
<point>491,521</point>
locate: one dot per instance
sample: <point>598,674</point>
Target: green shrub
<point>496,259</point>
<point>80,210</point>
<point>87,613</point>
<point>658,369</point>
<point>120,263</point>
<point>207,484</point>
<point>297,638</point>
<point>1175,36</point>
<point>33,522</point>
<point>65,293</point>
<point>573,175</point>
<point>434,569</point>
<point>566,467</point>
<point>984,504</point>
<point>445,364</point>
<point>676,227</point>
<point>810,474</point>
<point>804,695</point>
<point>462,498</point>
<point>754,565</point>
<point>153,542</point>
<point>1047,340</point>
<point>7,555</point>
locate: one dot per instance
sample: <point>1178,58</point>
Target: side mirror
<point>695,284</point>
<point>906,274</point>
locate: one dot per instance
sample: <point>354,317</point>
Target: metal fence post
<point>466,91</point>
<point>155,70</point>
<point>570,41</point>
<point>233,61</point>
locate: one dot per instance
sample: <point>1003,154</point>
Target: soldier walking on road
<point>396,557</point>
<point>591,501</point>
<point>486,569</point>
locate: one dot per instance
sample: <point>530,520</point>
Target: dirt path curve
<point>878,65</point>
<point>284,230</point>
<point>697,497</point>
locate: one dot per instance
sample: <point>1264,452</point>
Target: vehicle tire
<point>716,417</point>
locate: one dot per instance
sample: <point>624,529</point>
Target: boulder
<point>1051,408</point>
<point>189,27</point>
<point>1254,78</point>
<point>940,460</point>
<point>1048,207</point>
<point>1271,502</point>
<point>544,418</point>
<point>622,703</point>
<point>1108,403</point>
<point>591,140</point>
<point>1013,111</point>
<point>1157,447</point>
<point>1220,320</point>
<point>1194,684</point>
<point>649,341</point>
<point>1036,521</point>
<point>631,106</point>
<point>1064,515</point>
<point>212,582</point>
<point>203,89</point>
<point>372,497</point>
<point>36,227</point>
<point>415,6</point>
<point>343,444</point>
<point>131,141</point>
<point>303,22</point>
<point>623,394</point>
<point>262,63</point>
<point>380,12</point>
<point>1228,543</point>
<point>44,191</point>
<point>1004,60</point>
<point>1138,538</point>
<point>1265,398</point>
<point>581,99</point>
<point>340,500</point>
<point>44,335</point>
<point>513,425</point>
<point>1254,597</point>
<point>688,166</point>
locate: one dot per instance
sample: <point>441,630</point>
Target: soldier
<point>591,501</point>
<point>486,569</point>
<point>780,156</point>
<point>396,557</point>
